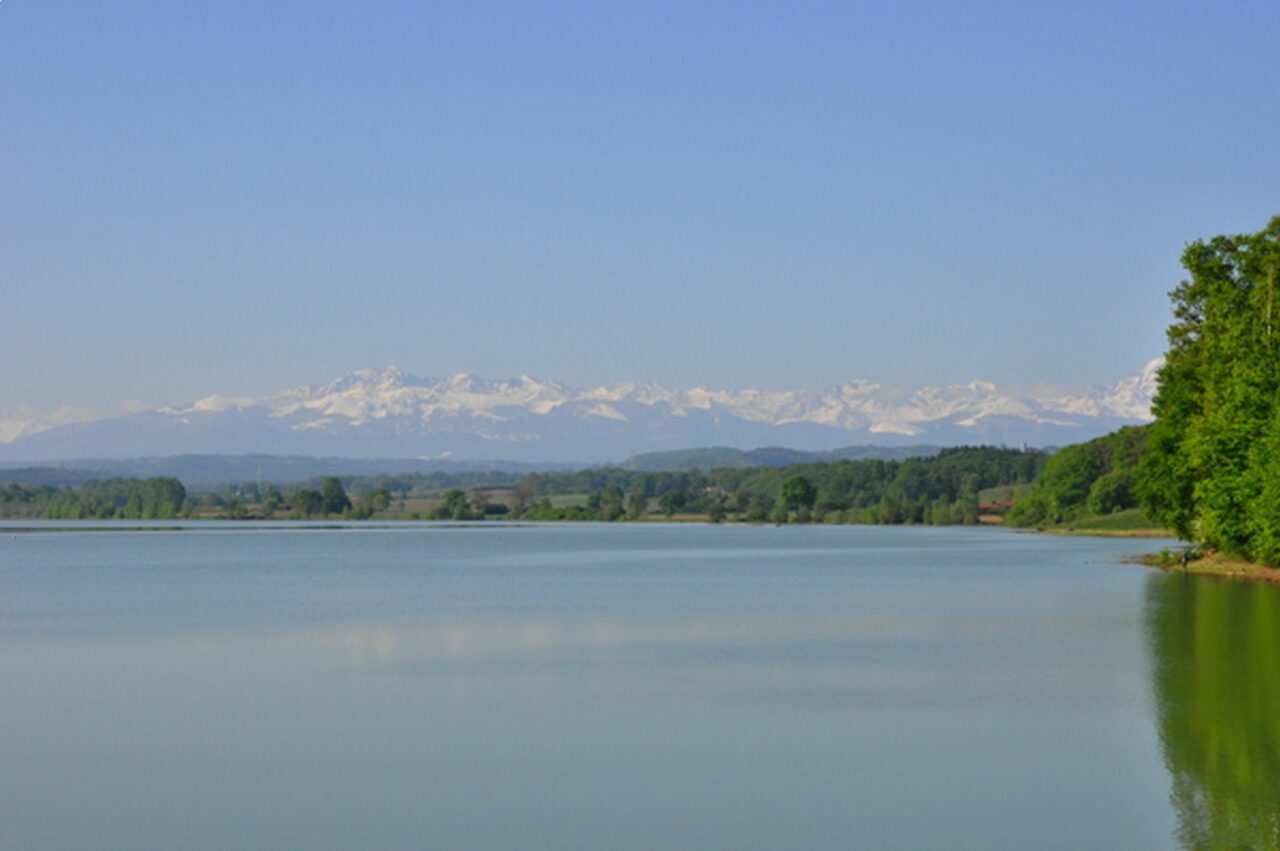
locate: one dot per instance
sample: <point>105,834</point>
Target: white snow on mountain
<point>390,410</point>
<point>365,395</point>
<point>1130,397</point>
<point>23,420</point>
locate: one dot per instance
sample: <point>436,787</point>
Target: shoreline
<point>1108,533</point>
<point>1206,565</point>
<point>1216,565</point>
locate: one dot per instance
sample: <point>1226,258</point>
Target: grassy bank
<point>1134,524</point>
<point>1130,523</point>
<point>1213,564</point>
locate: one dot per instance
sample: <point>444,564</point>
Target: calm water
<point>644,687</point>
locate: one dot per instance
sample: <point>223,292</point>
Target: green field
<point>1001,493</point>
<point>1128,522</point>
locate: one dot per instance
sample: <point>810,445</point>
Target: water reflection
<point>391,647</point>
<point>1216,674</point>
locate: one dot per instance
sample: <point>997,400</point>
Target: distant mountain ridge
<point>721,457</point>
<point>389,413</point>
<point>202,471</point>
<point>207,471</point>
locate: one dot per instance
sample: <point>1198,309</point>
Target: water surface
<point>561,686</point>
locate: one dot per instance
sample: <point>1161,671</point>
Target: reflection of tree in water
<point>1215,648</point>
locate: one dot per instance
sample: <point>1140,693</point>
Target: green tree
<point>334,496</point>
<point>1098,477</point>
<point>637,502</point>
<point>380,499</point>
<point>1208,472</point>
<point>308,503</point>
<point>671,502</point>
<point>796,492</point>
<point>611,502</point>
<point>453,506</point>
<point>716,509</point>
<point>271,500</point>
<point>1033,509</point>
<point>1112,492</point>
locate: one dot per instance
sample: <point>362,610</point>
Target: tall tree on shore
<point>1211,472</point>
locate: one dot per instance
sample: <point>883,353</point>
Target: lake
<point>641,686</point>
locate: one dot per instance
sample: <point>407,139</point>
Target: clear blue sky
<point>237,196</point>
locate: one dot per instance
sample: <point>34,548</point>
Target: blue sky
<point>238,196</point>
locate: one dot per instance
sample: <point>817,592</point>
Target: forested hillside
<point>1090,479</point>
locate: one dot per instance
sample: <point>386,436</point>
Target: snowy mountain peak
<point>389,376</point>
<point>388,412</point>
<point>1135,392</point>
<point>463,381</point>
<point>24,420</point>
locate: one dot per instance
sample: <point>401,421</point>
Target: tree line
<point>137,499</point>
<point>942,489</point>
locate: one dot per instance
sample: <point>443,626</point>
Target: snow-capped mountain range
<point>22,420</point>
<point>390,413</point>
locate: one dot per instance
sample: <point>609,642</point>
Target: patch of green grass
<point>1000,493</point>
<point>1121,521</point>
<point>1212,564</point>
<point>1131,522</point>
